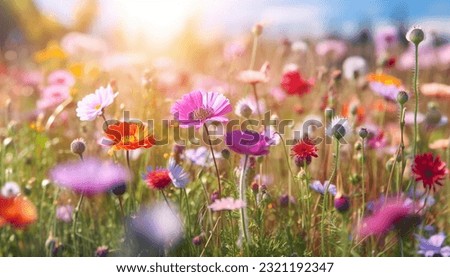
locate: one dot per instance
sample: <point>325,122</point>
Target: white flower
<point>354,67</point>
<point>10,189</point>
<point>247,106</point>
<point>92,105</point>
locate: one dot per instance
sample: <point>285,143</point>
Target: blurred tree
<point>38,28</point>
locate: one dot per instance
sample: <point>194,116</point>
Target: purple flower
<point>157,227</point>
<point>385,38</point>
<point>317,186</point>
<point>198,107</point>
<point>385,216</point>
<point>92,105</point>
<point>432,247</point>
<point>61,77</point>
<point>248,142</point>
<point>64,213</point>
<point>228,204</point>
<point>90,176</point>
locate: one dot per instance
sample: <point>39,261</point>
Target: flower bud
<point>197,240</point>
<point>402,97</point>
<point>102,251</point>
<point>415,35</point>
<point>225,153</point>
<point>342,203</point>
<point>78,146</point>
<point>119,190</point>
<point>363,133</point>
<point>255,187</point>
<point>257,29</point>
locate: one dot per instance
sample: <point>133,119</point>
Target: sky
<point>162,20</point>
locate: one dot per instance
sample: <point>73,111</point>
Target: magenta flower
<point>385,215</point>
<point>90,176</point>
<point>248,142</point>
<point>61,77</point>
<point>228,204</point>
<point>197,108</point>
<point>92,105</point>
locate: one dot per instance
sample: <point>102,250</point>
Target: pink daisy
<point>197,108</point>
<point>92,105</point>
<point>61,77</point>
<point>228,204</point>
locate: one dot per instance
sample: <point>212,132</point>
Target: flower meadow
<point>250,146</point>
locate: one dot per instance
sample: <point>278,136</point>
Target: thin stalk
<point>363,184</point>
<point>75,221</point>
<point>214,159</point>
<point>244,228</point>
<point>325,198</point>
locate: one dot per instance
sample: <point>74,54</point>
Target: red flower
<point>429,170</point>
<point>17,211</point>
<point>129,136</point>
<point>294,84</point>
<point>157,179</point>
<point>303,152</point>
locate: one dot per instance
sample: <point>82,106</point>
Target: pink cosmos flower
<point>233,50</point>
<point>335,47</point>
<point>92,105</point>
<point>253,76</point>
<point>197,108</point>
<point>386,214</point>
<point>52,96</point>
<point>61,77</point>
<point>228,204</point>
<point>385,38</point>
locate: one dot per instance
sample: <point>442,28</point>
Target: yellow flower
<point>52,52</point>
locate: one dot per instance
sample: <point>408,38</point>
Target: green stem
<point>244,228</point>
<point>214,159</point>
<point>416,108</point>
<point>325,198</point>
<point>75,221</point>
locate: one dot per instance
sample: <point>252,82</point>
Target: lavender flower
<point>432,247</point>
<point>317,186</point>
<point>64,213</point>
<point>90,176</point>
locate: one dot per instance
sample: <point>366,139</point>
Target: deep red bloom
<point>294,84</point>
<point>429,170</point>
<point>158,179</point>
<point>303,152</point>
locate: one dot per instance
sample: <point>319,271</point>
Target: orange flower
<point>129,136</point>
<point>384,79</point>
<point>17,211</point>
<point>435,90</point>
<point>381,105</point>
<point>360,111</point>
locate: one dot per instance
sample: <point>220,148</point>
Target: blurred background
<point>155,25</point>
